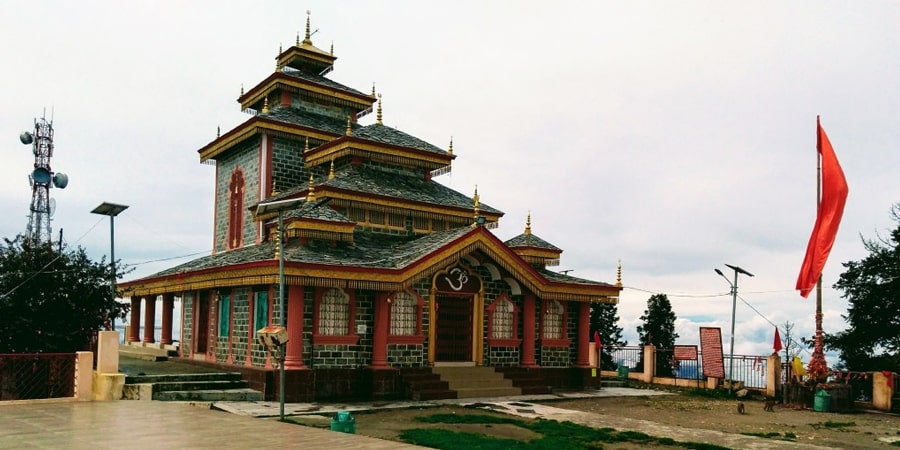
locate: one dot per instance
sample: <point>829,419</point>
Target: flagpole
<point>818,368</point>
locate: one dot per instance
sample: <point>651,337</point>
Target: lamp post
<point>734,290</point>
<point>263,208</point>
<point>112,210</point>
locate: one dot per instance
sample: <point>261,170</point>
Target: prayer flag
<point>777,344</point>
<point>798,367</point>
<point>828,217</point>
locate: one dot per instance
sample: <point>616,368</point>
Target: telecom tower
<point>42,179</point>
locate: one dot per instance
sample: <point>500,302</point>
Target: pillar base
<point>108,386</point>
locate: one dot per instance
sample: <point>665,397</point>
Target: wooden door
<point>201,328</point>
<point>453,329</point>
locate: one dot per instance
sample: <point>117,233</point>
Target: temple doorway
<point>453,329</point>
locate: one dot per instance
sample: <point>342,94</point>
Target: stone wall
<point>187,324</point>
<point>246,157</point>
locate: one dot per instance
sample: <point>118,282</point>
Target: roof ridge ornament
<point>450,150</point>
<point>265,108</point>
<point>306,39</point>
<point>477,219</point>
<point>331,170</point>
<point>528,224</point>
<point>349,131</point>
<point>306,145</point>
<point>619,274</point>
<point>311,195</point>
<point>378,115</point>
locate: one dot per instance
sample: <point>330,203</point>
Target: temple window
<point>334,313</point>
<point>553,320</point>
<point>405,318</point>
<point>224,315</point>
<point>235,210</point>
<point>503,323</point>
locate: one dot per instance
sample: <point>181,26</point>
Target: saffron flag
<point>798,367</point>
<point>828,216</point>
<point>777,344</point>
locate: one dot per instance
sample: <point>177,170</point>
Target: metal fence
<point>26,376</point>
<point>747,368</point>
<point>629,357</point>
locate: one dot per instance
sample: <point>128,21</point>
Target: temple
<point>386,275</point>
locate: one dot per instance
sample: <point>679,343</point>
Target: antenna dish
<point>41,175</point>
<point>26,138</point>
<point>60,180</point>
<point>52,206</point>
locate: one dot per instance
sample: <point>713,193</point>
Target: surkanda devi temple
<point>394,285</point>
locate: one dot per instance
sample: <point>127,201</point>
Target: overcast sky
<point>673,136</point>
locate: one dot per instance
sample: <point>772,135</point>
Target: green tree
<point>52,298</point>
<point>658,329</point>
<point>605,320</point>
<point>872,289</point>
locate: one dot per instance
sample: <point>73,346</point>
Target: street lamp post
<point>112,210</point>
<point>734,291</point>
<point>263,208</point>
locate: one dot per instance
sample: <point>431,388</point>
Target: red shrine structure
<point>390,279</point>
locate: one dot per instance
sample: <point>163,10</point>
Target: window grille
<point>502,326</point>
<point>403,314</point>
<point>553,321</point>
<point>334,313</point>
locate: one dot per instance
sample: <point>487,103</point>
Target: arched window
<point>333,318</point>
<point>553,324</point>
<point>236,210</point>
<point>405,318</point>
<point>503,323</point>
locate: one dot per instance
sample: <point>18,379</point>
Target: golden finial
<point>274,189</point>
<point>297,42</point>
<point>331,52</point>
<point>373,89</point>
<point>218,131</point>
<point>277,242</point>
<point>265,109</point>
<point>450,150</point>
<point>306,39</point>
<point>528,224</point>
<point>279,49</point>
<point>477,208</point>
<point>378,116</point>
<point>306,145</point>
<point>619,275</point>
<point>242,89</point>
<point>331,171</point>
<point>349,131</point>
<point>311,195</point>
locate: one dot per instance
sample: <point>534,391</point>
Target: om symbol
<point>461,276</point>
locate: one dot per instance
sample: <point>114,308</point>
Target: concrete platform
<point>129,424</point>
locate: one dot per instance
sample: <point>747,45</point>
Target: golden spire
<point>331,171</point>
<point>277,242</point>
<point>265,109</point>
<point>373,89</point>
<point>311,195</point>
<point>218,131</point>
<point>378,116</point>
<point>279,48</point>
<point>450,150</point>
<point>619,275</point>
<point>274,189</point>
<point>306,39</point>
<point>477,205</point>
<point>297,42</point>
<point>331,52</point>
<point>349,131</point>
<point>242,89</point>
<point>528,224</point>
<point>306,145</point>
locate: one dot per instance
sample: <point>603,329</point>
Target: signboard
<point>457,280</point>
<point>711,347</point>
<point>685,353</point>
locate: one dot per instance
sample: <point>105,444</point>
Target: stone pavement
<point>164,425</point>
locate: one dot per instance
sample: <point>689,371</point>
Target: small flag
<point>597,340</point>
<point>777,344</point>
<point>798,367</point>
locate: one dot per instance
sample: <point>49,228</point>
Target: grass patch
<point>774,435</point>
<point>554,435</point>
<point>840,426</point>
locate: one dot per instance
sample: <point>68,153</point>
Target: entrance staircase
<point>197,387</point>
<point>473,382</point>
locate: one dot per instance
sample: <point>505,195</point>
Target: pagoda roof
<point>316,211</point>
<point>296,116</point>
<point>387,135</point>
<point>562,278</point>
<point>531,241</point>
<point>388,184</point>
<point>321,80</point>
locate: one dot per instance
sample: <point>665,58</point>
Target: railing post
<point>84,378</point>
<point>649,363</point>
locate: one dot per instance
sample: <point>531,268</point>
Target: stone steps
<point>474,382</point>
<point>202,387</point>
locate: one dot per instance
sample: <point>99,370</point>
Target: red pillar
<point>134,326</point>
<point>293,358</point>
<point>382,327</point>
<point>149,319</point>
<point>584,329</point>
<point>528,326</point>
<point>168,307</point>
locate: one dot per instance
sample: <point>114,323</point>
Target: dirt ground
<point>859,430</point>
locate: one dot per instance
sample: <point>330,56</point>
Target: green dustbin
<point>623,373</point>
<point>343,422</point>
<point>822,401</point>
